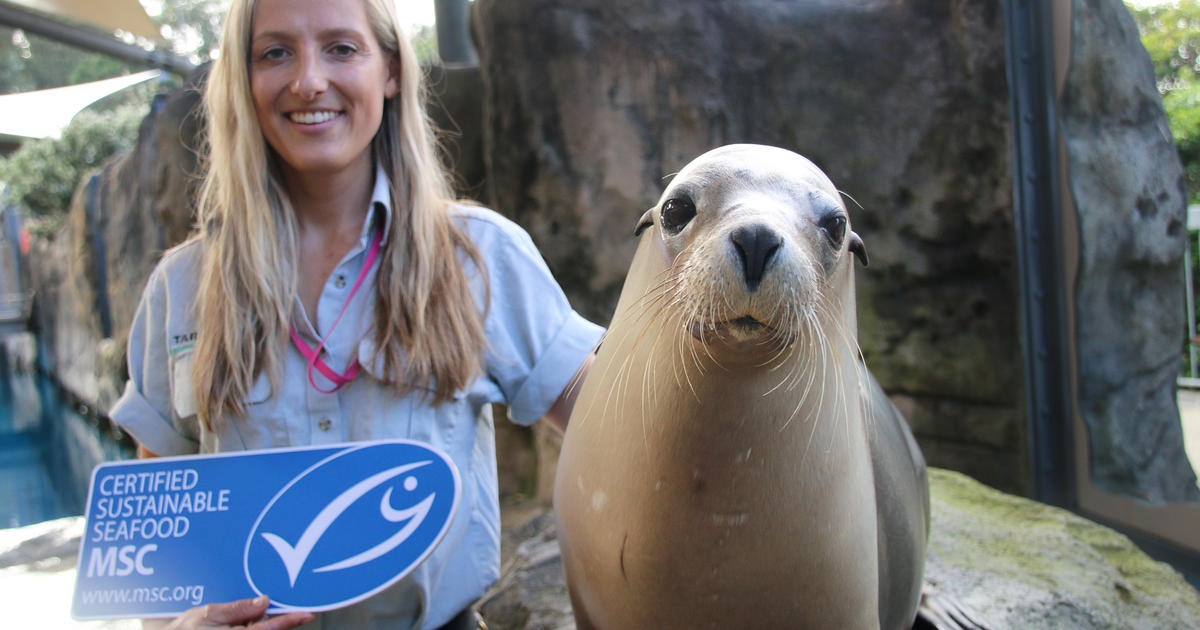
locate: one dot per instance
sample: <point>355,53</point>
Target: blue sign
<point>311,528</point>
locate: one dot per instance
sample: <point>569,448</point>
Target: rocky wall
<point>591,105</point>
<point>1128,190</point>
<point>89,277</point>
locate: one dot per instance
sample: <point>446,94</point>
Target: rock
<point>1014,562</point>
<point>49,545</point>
<point>1130,199</point>
<point>1022,564</point>
<point>591,105</point>
<point>37,577</point>
<point>527,459</point>
<point>532,591</point>
<point>457,112</point>
<point>89,279</point>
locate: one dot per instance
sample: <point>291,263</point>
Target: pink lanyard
<point>313,354</point>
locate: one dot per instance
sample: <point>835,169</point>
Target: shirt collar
<point>381,202</point>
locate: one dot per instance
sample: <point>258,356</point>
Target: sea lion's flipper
<point>941,611</point>
<point>902,506</point>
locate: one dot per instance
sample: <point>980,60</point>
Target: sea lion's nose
<point>756,246</point>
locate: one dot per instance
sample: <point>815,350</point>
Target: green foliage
<point>42,175</point>
<point>1183,108</point>
<point>424,42</point>
<point>29,62</point>
<point>195,26</point>
<point>95,67</point>
<point>1171,34</point>
<point>195,29</point>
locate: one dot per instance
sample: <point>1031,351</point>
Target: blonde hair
<point>427,326</point>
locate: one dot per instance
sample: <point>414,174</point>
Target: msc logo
<point>351,525</point>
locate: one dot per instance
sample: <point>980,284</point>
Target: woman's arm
<point>560,411</point>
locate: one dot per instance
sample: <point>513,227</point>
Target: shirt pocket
<point>183,393</point>
<point>262,427</point>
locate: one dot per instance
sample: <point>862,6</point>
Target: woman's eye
<point>834,227</point>
<point>273,54</point>
<point>342,50</point>
<point>676,213</point>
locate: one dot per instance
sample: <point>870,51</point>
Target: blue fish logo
<point>352,525</point>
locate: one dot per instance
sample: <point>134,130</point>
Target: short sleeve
<point>536,341</point>
<point>144,409</point>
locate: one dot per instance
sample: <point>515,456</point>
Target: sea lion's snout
<point>755,246</point>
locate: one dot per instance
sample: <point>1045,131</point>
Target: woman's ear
<point>393,81</point>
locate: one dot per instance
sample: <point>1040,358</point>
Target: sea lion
<point>730,461</point>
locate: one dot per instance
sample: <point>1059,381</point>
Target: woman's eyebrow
<point>329,33</point>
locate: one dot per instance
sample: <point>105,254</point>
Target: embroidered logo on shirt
<point>355,522</point>
<point>179,343</point>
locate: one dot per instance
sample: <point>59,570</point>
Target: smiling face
<point>318,78</point>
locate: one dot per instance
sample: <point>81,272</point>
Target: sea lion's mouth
<point>738,329</point>
<point>746,325</point>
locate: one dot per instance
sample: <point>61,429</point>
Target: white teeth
<point>311,118</point>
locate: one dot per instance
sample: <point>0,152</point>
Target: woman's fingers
<point>241,612</point>
<point>246,614</point>
<point>283,622</point>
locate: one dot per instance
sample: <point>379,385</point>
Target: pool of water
<point>47,451</point>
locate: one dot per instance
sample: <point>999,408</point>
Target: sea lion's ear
<point>858,248</point>
<point>646,221</point>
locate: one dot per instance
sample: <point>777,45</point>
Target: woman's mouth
<point>312,118</point>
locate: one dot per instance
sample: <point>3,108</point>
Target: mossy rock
<point>1022,564</point>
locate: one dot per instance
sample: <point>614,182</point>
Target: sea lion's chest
<point>715,491</point>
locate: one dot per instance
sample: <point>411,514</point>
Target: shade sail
<point>44,113</point>
<point>107,15</point>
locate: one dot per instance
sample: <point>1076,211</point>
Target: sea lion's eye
<point>834,227</point>
<point>676,212</point>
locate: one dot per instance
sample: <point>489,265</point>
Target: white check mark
<point>294,557</point>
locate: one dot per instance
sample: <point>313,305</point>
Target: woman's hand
<point>247,614</point>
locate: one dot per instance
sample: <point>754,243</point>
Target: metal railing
<point>1191,379</point>
<point>15,306</point>
<point>16,300</point>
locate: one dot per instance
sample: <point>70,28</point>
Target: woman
<point>334,293</point>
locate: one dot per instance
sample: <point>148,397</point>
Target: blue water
<point>47,451</point>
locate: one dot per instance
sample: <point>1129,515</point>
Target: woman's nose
<point>311,79</point>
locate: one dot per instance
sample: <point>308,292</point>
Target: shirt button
<point>325,424</point>
<point>340,281</point>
